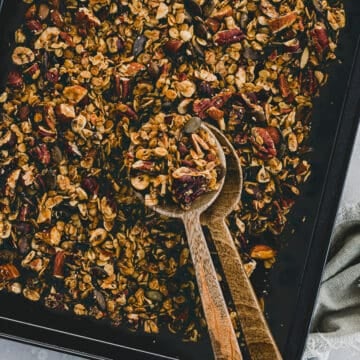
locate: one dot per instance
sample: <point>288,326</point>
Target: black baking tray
<point>293,282</point>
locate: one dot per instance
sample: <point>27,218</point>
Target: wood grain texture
<point>257,334</point>
<point>222,335</point>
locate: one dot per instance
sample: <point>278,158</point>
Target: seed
<point>192,125</point>
<point>139,45</point>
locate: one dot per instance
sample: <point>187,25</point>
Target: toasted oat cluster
<point>174,160</point>
<point>89,78</point>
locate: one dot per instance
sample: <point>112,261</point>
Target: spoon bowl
<point>205,200</point>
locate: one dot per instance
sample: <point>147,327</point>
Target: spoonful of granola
<point>178,167</point>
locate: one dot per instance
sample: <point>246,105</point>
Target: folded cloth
<point>336,321</point>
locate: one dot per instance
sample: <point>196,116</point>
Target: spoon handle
<point>222,335</point>
<point>258,337</point>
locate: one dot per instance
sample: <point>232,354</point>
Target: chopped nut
<point>65,112</point>
<point>282,22</point>
<point>75,93</point>
<point>262,252</point>
<point>8,272</point>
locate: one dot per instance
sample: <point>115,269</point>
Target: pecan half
<point>227,37</point>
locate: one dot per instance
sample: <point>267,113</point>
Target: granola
<point>174,160</point>
<point>86,77</point>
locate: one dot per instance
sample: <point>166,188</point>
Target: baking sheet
<point>293,282</point>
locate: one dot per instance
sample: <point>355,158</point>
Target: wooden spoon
<point>222,335</point>
<point>258,337</point>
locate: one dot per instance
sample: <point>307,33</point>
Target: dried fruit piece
<point>52,75</point>
<point>34,26</point>
<point>212,24</point>
<point>15,80</point>
<point>30,12</point>
<point>193,8</point>
<point>173,46</point>
<point>57,18</point>
<point>33,71</point>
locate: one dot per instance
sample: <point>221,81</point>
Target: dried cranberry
<point>205,89</point>
<point>15,80</point>
<point>34,26</point>
<point>24,212</point>
<point>23,244</point>
<point>172,47</point>
<point>30,12</point>
<point>57,18</point>
<point>90,185</point>
<point>183,149</point>
<point>23,227</point>
<point>52,76</point>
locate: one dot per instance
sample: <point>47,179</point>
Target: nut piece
<point>227,37</point>
<point>8,272</point>
<point>22,55</point>
<point>75,93</point>
<point>84,15</point>
<point>262,252</point>
<point>268,9</point>
<point>162,11</point>
<point>65,112</point>
<point>282,22</point>
<point>59,262</point>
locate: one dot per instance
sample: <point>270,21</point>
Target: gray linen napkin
<point>336,321</point>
